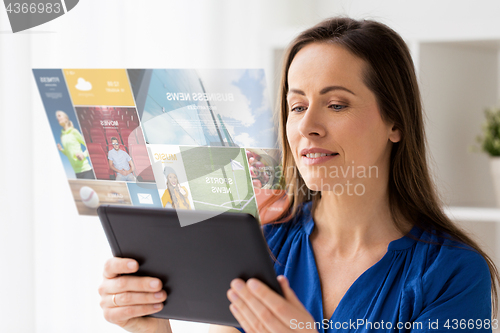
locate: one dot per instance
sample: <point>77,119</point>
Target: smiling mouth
<point>317,155</point>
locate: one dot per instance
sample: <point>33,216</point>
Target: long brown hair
<point>390,75</point>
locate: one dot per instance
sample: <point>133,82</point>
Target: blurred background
<point>52,258</point>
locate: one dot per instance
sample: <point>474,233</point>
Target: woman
<point>174,196</point>
<point>365,239</point>
<point>72,142</point>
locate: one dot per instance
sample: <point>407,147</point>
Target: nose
<point>312,123</point>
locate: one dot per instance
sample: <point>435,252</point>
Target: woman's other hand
<point>125,299</point>
<point>59,147</point>
<point>259,309</point>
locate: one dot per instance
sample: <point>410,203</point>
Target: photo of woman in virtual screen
<point>175,196</point>
<point>364,244</point>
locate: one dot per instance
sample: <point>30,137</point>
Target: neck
<point>351,224</point>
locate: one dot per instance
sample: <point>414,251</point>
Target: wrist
<point>164,326</point>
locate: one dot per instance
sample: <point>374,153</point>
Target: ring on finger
<point>114,300</point>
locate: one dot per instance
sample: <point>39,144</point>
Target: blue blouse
<point>415,287</point>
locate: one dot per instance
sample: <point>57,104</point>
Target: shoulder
<point>451,270</point>
<point>449,256</point>
<point>73,132</point>
<point>166,195</point>
<point>279,234</point>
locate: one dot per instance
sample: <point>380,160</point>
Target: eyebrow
<point>323,91</point>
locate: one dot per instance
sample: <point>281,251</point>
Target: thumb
<point>288,292</point>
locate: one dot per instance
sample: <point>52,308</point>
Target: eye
<point>337,107</point>
<point>298,109</point>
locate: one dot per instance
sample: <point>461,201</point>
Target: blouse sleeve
<point>456,293</point>
<point>80,139</point>
<point>276,235</point>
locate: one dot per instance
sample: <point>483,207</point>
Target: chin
<point>345,187</point>
<point>321,184</point>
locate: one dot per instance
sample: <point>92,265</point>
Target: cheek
<point>292,134</point>
<point>372,138</point>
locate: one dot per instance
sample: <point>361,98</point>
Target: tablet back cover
<point>196,263</point>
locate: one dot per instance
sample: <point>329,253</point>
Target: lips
<point>316,156</point>
<point>317,152</point>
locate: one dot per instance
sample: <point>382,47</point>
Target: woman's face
<point>172,178</point>
<point>61,118</point>
<point>334,125</point>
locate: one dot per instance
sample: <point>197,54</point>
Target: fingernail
<point>159,294</point>
<point>252,284</point>
<point>157,306</point>
<point>233,297</point>
<point>282,278</point>
<point>131,264</point>
<point>233,308</point>
<point>154,284</point>
<point>238,284</point>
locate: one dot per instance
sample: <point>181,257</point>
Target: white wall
<point>52,257</point>
<point>457,82</point>
<point>430,20</point>
<point>16,190</point>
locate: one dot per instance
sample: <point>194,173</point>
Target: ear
<point>394,134</point>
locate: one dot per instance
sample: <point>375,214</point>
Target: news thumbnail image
<point>88,195</point>
<point>144,194</point>
<point>219,178</point>
<point>171,179</point>
<point>228,107</point>
<point>266,173</point>
<point>64,124</point>
<point>108,87</point>
<point>114,136</point>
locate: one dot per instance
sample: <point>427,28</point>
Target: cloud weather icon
<point>83,85</point>
<point>145,198</point>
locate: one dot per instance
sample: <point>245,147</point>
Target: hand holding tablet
<point>125,299</point>
<point>195,264</point>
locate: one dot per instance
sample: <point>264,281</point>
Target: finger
<point>265,316</point>
<point>241,319</point>
<point>134,298</point>
<point>122,314</point>
<point>126,283</point>
<point>246,317</point>
<point>280,307</point>
<point>288,292</point>
<point>116,266</point>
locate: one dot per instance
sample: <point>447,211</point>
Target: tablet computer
<point>197,262</point>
